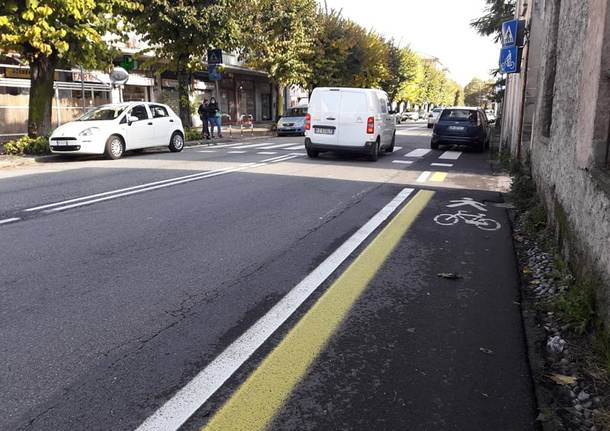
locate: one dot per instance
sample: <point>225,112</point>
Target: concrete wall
<point>567,161</point>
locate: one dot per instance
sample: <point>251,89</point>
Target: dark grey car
<point>462,126</point>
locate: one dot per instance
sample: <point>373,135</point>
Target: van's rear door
<point>324,110</point>
<point>353,118</point>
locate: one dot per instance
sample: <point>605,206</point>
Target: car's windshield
<point>459,115</point>
<point>102,113</point>
<point>296,112</point>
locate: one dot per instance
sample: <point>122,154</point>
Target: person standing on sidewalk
<point>215,117</point>
<point>204,114</point>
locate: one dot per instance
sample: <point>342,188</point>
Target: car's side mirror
<point>131,119</point>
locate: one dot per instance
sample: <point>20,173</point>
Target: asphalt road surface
<point>243,286</point>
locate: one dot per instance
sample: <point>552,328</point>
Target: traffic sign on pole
<point>214,56</point>
<point>214,72</point>
<point>510,60</point>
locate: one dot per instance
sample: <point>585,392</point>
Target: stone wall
<point>575,188</point>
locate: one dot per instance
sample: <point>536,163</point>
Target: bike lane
<point>434,342</point>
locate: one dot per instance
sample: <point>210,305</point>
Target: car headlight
<point>90,131</point>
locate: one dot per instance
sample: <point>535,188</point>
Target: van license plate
<point>321,131</point>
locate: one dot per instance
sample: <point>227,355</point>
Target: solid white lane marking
<point>397,149</point>
<point>83,198</point>
<point>236,152</point>
<point>296,147</point>
<point>273,147</point>
<point>9,220</point>
<point>171,415</point>
<point>420,152</point>
<point>450,155</point>
<point>444,165</point>
<point>202,175</point>
<point>424,177</point>
<point>252,145</point>
<point>404,162</point>
<point>267,152</point>
<point>206,151</point>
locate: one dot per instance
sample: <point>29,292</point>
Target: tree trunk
<point>42,71</point>
<point>280,101</point>
<point>183,96</point>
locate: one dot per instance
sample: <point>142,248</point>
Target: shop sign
<point>90,76</point>
<point>17,73</point>
<point>135,79</point>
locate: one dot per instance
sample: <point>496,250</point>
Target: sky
<point>438,28</point>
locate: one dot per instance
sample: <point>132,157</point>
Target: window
<point>140,112</point>
<point>384,105</point>
<point>459,115</point>
<point>158,111</point>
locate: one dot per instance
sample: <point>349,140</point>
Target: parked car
<point>433,116</point>
<point>461,126</point>
<point>293,123</point>
<point>414,116</point>
<point>349,119</point>
<point>114,129</point>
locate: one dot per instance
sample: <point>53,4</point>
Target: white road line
<point>397,149</point>
<point>206,151</point>
<point>210,144</point>
<point>160,186</point>
<point>267,152</point>
<point>444,165</point>
<point>252,145</point>
<point>273,147</point>
<point>296,147</point>
<point>404,162</point>
<point>424,177</point>
<point>237,152</point>
<point>450,155</point>
<point>176,411</point>
<point>420,152</point>
<point>83,198</point>
<point>10,220</point>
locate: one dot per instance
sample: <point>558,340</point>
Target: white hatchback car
<point>114,129</point>
<point>349,119</point>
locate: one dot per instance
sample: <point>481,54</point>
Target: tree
<point>496,12</point>
<point>47,33</point>
<point>413,76</point>
<point>478,92</point>
<point>279,40</point>
<point>181,32</point>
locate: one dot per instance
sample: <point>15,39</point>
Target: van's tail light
<point>370,125</point>
<point>308,122</point>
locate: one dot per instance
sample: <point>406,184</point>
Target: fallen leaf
<point>485,350</point>
<point>411,330</point>
<point>560,379</point>
<point>449,275</point>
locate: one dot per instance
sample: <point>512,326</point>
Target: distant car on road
<point>461,126</point>
<point>114,129</point>
<point>433,116</point>
<point>349,119</point>
<point>414,116</point>
<point>293,123</point>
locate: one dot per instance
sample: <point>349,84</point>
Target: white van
<point>349,119</point>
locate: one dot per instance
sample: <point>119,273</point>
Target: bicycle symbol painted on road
<point>479,220</point>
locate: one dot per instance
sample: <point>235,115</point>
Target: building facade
<point>565,127</point>
<point>242,91</point>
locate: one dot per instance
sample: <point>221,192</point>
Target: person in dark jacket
<point>215,117</point>
<point>204,114</point>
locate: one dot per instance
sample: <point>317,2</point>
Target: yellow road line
<point>438,177</point>
<point>253,406</point>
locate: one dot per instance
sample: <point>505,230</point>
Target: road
<point>244,286</point>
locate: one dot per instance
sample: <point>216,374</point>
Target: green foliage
<point>496,12</point>
<point>479,93</point>
<point>279,38</point>
<point>180,33</point>
<point>577,306</point>
<point>192,134</point>
<point>26,145</point>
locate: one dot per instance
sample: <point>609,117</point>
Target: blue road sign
<point>510,59</point>
<point>513,33</point>
<point>214,56</point>
<point>214,73</point>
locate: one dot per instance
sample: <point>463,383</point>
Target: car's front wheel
<point>115,147</point>
<point>176,143</point>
